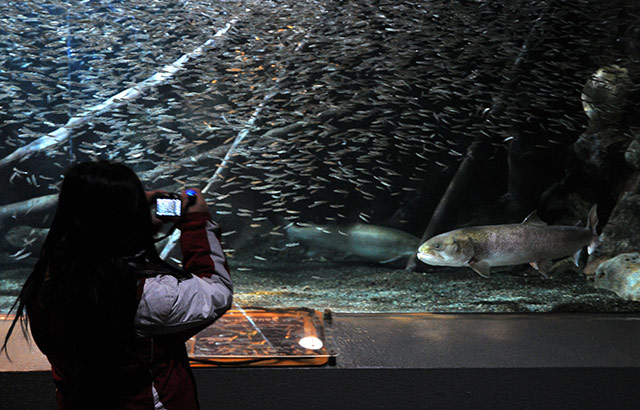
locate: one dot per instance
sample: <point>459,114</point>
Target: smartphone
<point>169,205</point>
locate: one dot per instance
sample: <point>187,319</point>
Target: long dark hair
<point>83,278</point>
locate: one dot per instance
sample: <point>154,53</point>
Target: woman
<point>108,313</point>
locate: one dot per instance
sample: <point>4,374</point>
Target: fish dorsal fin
<point>533,219</point>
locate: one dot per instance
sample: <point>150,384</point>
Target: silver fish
<point>371,243</point>
<point>532,241</point>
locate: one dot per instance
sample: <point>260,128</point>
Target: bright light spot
<point>311,343</point>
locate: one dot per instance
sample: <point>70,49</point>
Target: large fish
<point>371,243</point>
<point>532,241</point>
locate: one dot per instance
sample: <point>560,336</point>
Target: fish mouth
<point>428,256</point>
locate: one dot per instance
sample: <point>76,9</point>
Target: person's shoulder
<point>158,297</point>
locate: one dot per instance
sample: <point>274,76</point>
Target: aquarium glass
<point>333,138</point>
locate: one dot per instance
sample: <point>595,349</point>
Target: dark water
<point>312,112</point>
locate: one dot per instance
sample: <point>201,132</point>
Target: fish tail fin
<point>576,257</point>
<point>592,223</point>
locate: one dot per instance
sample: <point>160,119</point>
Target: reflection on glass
<point>333,140</point>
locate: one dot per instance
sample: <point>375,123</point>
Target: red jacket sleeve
<point>201,247</point>
<point>183,306</point>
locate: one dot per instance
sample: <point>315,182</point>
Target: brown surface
<point>24,354</point>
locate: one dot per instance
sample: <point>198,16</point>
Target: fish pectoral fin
<point>542,266</point>
<point>482,268</point>
<point>392,259</point>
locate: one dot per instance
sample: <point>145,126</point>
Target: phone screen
<point>168,207</point>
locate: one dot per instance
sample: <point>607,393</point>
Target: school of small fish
<point>365,105</point>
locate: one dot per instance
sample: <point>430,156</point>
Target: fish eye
<point>437,245</point>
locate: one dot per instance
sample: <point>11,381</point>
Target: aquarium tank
<point>334,139</point>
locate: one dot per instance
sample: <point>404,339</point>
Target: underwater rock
<point>599,149</point>
<point>604,95</point>
<point>592,149</point>
<point>621,234</point>
<point>603,99</point>
<point>632,154</point>
<point>620,275</point>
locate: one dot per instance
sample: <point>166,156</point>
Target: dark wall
<point>333,388</point>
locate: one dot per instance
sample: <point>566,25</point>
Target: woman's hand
<point>199,205</point>
<point>151,197</point>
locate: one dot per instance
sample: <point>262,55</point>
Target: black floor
<point>422,361</point>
